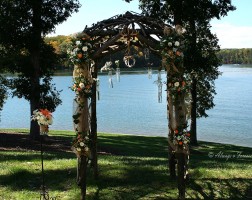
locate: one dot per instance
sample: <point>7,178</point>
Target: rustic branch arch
<point>112,35</point>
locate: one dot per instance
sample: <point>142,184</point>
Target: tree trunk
<point>34,127</point>
<point>193,125</point>
<point>82,176</point>
<point>181,174</point>
<point>193,128</point>
<point>94,161</point>
<point>35,62</point>
<point>172,163</point>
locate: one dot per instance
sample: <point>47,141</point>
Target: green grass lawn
<point>130,167</point>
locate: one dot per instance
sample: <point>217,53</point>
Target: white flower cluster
<point>82,145</point>
<point>175,44</point>
<point>79,50</point>
<point>80,47</point>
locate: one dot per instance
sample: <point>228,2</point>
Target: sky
<point>233,30</point>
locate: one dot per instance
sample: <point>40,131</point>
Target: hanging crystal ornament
<point>146,54</point>
<point>147,57</point>
<point>110,79</point>
<point>117,62</point>
<point>159,87</point>
<point>98,89</point>
<point>159,84</point>
<point>107,67</point>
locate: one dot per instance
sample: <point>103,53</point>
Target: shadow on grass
<point>8,156</point>
<point>134,178</point>
<point>129,145</point>
<point>24,179</point>
<point>215,188</point>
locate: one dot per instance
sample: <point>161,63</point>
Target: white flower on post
<point>82,144</point>
<point>176,84</point>
<point>81,85</point>
<point>169,44</point>
<point>86,149</point>
<point>85,48</point>
<point>78,149</point>
<point>78,42</point>
<point>177,43</point>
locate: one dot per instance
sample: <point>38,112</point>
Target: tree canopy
<point>23,25</point>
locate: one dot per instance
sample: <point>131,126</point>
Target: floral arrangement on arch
<point>82,86</point>
<point>172,45</point>
<point>80,49</point>
<point>181,137</point>
<point>81,144</point>
<point>178,86</point>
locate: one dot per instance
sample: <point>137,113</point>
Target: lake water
<point>132,107</point>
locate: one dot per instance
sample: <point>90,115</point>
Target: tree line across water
<point>235,56</point>
<point>226,56</point>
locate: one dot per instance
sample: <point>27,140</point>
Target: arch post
<point>81,118</point>
<point>178,104</point>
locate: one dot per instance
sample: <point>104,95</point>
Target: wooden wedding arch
<point>116,34</point>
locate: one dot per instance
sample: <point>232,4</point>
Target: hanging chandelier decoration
<point>131,36</point>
